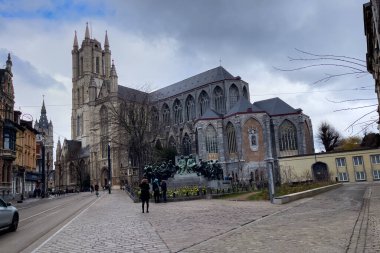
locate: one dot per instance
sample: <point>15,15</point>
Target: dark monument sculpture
<point>211,170</point>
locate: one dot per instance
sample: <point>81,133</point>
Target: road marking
<point>48,239</point>
<point>47,210</point>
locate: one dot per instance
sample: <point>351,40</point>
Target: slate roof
<point>130,94</point>
<point>275,106</point>
<point>210,114</point>
<point>209,76</point>
<point>243,105</point>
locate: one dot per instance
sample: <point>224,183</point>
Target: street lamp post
<point>109,168</point>
<point>43,171</point>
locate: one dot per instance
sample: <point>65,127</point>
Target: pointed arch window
<point>234,95</point>
<point>288,136</point>
<point>172,143</point>
<point>204,103</point>
<point>97,64</point>
<point>166,115</point>
<point>211,140</point>
<point>177,111</point>
<point>245,92</point>
<point>219,101</point>
<point>154,117</point>
<point>73,173</point>
<point>190,108</point>
<point>231,138</point>
<point>186,145</point>
<point>104,131</point>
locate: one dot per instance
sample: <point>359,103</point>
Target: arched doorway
<point>320,171</point>
<point>104,177</point>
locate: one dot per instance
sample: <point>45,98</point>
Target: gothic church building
<point>208,115</point>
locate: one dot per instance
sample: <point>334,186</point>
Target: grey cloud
<point>25,72</point>
<point>246,31</point>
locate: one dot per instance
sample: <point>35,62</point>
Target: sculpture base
<point>189,179</point>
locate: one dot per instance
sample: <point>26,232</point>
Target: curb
<point>300,195</point>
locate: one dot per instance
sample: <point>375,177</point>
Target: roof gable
<point>276,106</point>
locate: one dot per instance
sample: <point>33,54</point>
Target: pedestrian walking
<point>164,189</point>
<point>97,190</point>
<point>156,191</point>
<point>145,194</point>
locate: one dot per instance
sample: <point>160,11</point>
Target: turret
<point>113,78</point>
<point>107,57</point>
<point>58,150</point>
<point>87,34</point>
<point>9,63</point>
<point>75,58</point>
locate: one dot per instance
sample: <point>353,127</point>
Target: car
<point>9,216</point>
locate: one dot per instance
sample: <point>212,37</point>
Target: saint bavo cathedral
<point>208,116</point>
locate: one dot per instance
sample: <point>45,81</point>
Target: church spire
<point>106,43</point>
<point>113,70</point>
<point>87,35</point>
<point>43,122</point>
<point>43,109</point>
<point>75,40</point>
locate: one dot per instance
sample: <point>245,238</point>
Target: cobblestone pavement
<point>373,233</point>
<point>324,223</point>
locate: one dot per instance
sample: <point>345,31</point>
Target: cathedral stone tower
<point>45,127</point>
<point>91,69</point>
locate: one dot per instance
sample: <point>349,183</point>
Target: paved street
<point>329,222</point>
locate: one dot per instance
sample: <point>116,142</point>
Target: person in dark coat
<point>164,189</point>
<point>156,191</point>
<point>145,195</point>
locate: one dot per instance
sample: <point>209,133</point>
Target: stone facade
<point>208,115</point>
<point>7,128</point>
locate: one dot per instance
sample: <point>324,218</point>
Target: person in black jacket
<point>145,195</point>
<point>156,191</point>
<point>164,189</point>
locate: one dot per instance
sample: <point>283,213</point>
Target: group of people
<point>145,192</point>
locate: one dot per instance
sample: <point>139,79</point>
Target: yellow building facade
<point>24,167</point>
<point>343,166</point>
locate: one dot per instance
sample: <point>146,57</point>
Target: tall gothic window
<point>211,140</point>
<point>231,138</point>
<point>104,131</point>
<point>245,92</point>
<point>78,97</point>
<point>166,115</point>
<point>73,173</point>
<point>234,95</point>
<point>288,136</point>
<point>219,101</point>
<point>204,103</point>
<point>78,125</point>
<point>82,95</point>
<point>154,117</point>
<point>190,108</point>
<point>97,65</point>
<point>186,145</point>
<point>177,111</point>
<point>172,143</point>
<point>81,66</point>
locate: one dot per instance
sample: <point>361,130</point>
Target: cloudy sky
<point>157,43</point>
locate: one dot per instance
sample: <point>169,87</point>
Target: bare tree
<point>137,126</point>
<point>329,136</point>
<point>340,66</point>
